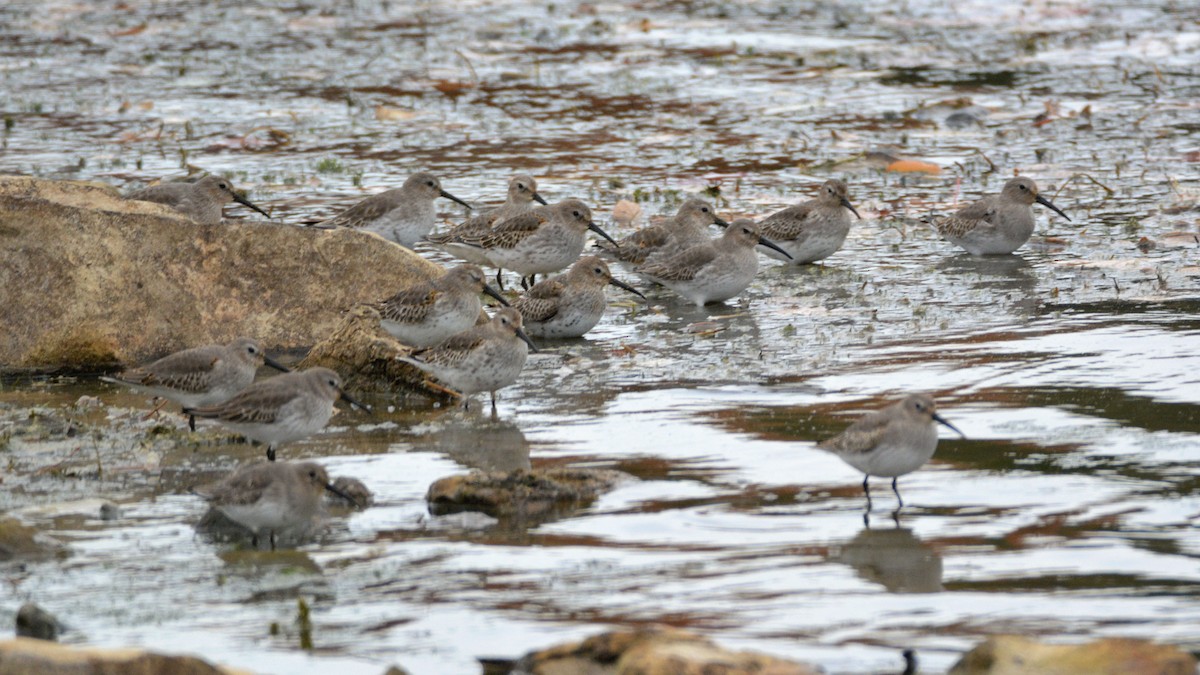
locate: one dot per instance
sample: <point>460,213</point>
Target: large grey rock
<point>88,279</point>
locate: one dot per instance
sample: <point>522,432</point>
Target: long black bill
<point>521,334</point>
<point>846,203</point>
<point>1046,203</point>
<point>495,294</point>
<point>772,245</point>
<point>354,403</point>
<point>538,198</point>
<point>719,221</point>
<point>596,228</point>
<point>337,491</point>
<point>942,420</point>
<point>622,285</point>
<point>275,364</point>
<point>247,203</point>
<point>452,198</point>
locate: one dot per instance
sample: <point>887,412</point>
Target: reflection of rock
<point>91,279</point>
<point>23,655</point>
<point>18,540</point>
<point>538,494</point>
<point>1018,655</point>
<point>894,558</point>
<point>488,446</point>
<point>653,652</point>
<point>35,622</point>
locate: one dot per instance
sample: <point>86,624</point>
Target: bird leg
<point>493,402</point>
<point>867,491</point>
<point>192,422</point>
<point>270,453</point>
<point>159,406</point>
<point>272,541</point>
<point>499,281</point>
<point>897,491</point>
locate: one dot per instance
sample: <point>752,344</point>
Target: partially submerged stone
<point>523,493</point>
<point>35,622</point>
<point>92,279</point>
<point>25,655</point>
<point>18,540</point>
<point>1019,655</point>
<point>654,652</point>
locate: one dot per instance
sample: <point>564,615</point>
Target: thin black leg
<point>270,453</point>
<point>897,491</point>
<point>867,491</point>
<point>493,402</point>
<point>910,662</point>
<point>192,422</point>
<point>272,540</point>
<point>499,281</point>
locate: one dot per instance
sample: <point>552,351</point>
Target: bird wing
<point>470,229</point>
<point>976,215</point>
<point>453,349</point>
<point>258,404</point>
<point>243,488</point>
<point>789,224</point>
<point>188,371</point>
<point>411,305</point>
<point>366,211</point>
<point>163,193</point>
<point>860,437</point>
<point>682,266</point>
<point>638,246</point>
<point>540,303</point>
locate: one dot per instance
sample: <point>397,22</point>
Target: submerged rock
<point>18,540</point>
<point>1019,655</point>
<point>92,280</point>
<point>25,655</point>
<point>35,622</point>
<point>653,652</point>
<point>524,493</point>
<point>353,488</point>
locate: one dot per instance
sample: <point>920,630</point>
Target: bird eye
<point>252,350</point>
<point>429,183</point>
<point>575,213</point>
<point>223,186</point>
<point>520,186</point>
<point>333,383</point>
<point>704,209</point>
<point>1021,186</point>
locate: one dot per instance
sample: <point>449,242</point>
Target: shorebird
<point>570,304</point>
<point>713,271</point>
<point>543,240</point>
<point>282,409</point>
<point>403,215</point>
<point>522,193</point>
<point>276,498</point>
<point>811,230</point>
<point>428,312</point>
<point>201,201</point>
<point>890,442</point>
<point>484,358</point>
<point>996,224</point>
<point>201,376</point>
<point>688,227</point>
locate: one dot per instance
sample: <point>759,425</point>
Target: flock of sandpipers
<point>439,318</point>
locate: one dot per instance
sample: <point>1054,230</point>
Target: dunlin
<point>483,358</point>
<point>891,442</point>
<point>996,224</point>
<point>713,271</point>
<point>571,304</point>
<point>403,215</point>
<point>201,376</point>
<point>522,192</point>
<point>543,240</point>
<point>811,230</point>
<point>280,499</point>
<point>685,229</point>
<point>282,409</point>
<point>424,314</point>
<point>201,201</point>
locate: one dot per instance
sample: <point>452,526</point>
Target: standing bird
<point>403,215</point>
<point>483,358</point>
<point>713,271</point>
<point>522,193</point>
<point>891,442</point>
<point>688,227</point>
<point>277,498</point>
<point>570,304</point>
<point>201,376</point>
<point>996,224</point>
<point>201,201</point>
<point>282,409</point>
<point>811,230</point>
<point>428,312</point>
<point>543,240</point>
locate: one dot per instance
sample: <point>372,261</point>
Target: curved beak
<point>452,198</point>
<point>275,364</point>
<point>538,198</point>
<point>622,285</point>
<point>247,203</point>
<point>1046,203</point>
<point>846,203</point>
<point>521,334</point>
<point>335,490</point>
<point>772,245</point>
<point>495,294</point>
<point>596,228</point>
<point>719,221</point>
<point>942,420</point>
<point>352,402</point>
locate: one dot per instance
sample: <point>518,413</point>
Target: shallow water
<point>1069,510</point>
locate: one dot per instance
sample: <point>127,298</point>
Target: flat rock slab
<point>1019,655</point>
<point>20,656</point>
<point>533,494</point>
<point>89,280</point>
<point>654,652</point>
